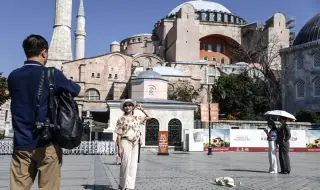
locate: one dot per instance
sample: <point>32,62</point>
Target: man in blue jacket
<point>31,152</point>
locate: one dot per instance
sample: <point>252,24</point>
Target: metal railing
<point>85,148</point>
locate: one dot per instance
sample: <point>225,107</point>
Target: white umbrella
<point>280,113</point>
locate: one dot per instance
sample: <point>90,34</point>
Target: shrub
<point>308,116</point>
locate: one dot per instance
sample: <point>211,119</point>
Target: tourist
<point>284,145</point>
<point>272,142</point>
<point>128,131</point>
<point>32,152</point>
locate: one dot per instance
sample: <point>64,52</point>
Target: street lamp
<point>223,96</point>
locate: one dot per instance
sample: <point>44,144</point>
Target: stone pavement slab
<point>194,171</point>
<point>198,171</point>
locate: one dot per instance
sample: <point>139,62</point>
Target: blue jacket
<point>23,84</point>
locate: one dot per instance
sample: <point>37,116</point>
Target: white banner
<point>298,139</point>
<point>196,140</point>
<point>258,138</point>
<point>248,138</point>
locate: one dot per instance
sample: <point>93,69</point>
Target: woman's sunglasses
<point>127,105</point>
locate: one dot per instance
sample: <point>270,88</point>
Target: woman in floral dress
<point>128,131</point>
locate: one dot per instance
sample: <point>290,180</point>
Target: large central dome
<point>201,4</point>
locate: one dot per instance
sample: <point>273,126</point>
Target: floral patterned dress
<point>129,127</point>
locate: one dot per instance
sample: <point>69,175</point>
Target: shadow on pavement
<point>240,170</point>
<point>111,164</point>
<point>98,187</point>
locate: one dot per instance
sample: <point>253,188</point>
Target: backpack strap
<point>52,111</point>
<point>39,96</point>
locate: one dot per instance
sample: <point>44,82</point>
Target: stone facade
<point>60,47</point>
<point>301,78</point>
<point>101,78</point>
<point>190,34</point>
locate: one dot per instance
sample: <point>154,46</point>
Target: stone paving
<point>185,171</point>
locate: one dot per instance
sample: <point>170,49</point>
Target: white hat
<point>127,101</point>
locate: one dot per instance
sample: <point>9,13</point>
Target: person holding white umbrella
<point>284,145</point>
<point>283,139</point>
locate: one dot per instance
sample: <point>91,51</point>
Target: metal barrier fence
<point>85,148</point>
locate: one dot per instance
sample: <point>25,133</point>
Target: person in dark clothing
<point>32,153</point>
<point>284,145</point>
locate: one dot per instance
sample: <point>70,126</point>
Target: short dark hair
<point>34,44</point>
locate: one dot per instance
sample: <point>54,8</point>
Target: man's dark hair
<point>33,45</point>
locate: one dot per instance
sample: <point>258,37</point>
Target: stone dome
<point>309,32</point>
<point>149,74</point>
<point>115,43</point>
<point>202,5</point>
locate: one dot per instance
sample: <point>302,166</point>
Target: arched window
<point>151,90</point>
<point>218,48</point>
<point>211,16</point>
<point>222,49</point>
<point>316,60</point>
<point>214,59</point>
<point>316,87</point>
<point>205,58</point>
<point>174,132</point>
<point>299,63</point>
<point>92,95</point>
<point>206,47</point>
<point>222,60</point>
<point>204,16</point>
<point>219,17</point>
<point>211,69</point>
<point>300,89</point>
<point>214,47</point>
<point>152,130</point>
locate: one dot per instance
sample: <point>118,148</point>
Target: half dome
<point>309,32</point>
<point>202,5</point>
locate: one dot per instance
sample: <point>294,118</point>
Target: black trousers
<point>284,157</point>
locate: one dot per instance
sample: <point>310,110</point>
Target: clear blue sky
<point>109,20</point>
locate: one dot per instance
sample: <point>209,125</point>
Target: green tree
<point>308,116</point>
<point>4,96</point>
<point>245,98</point>
<point>183,91</point>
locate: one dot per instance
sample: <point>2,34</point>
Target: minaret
<point>60,49</point>
<point>80,34</point>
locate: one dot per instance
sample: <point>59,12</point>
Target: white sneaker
<point>272,172</point>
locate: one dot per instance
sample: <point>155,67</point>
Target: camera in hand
<point>44,130</point>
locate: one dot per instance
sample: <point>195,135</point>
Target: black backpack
<point>64,115</point>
